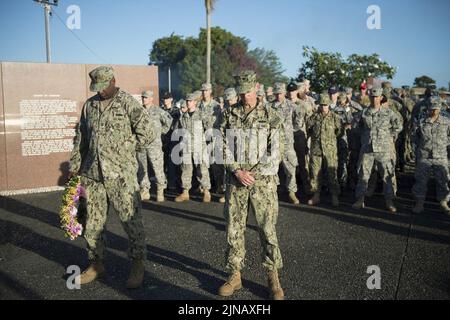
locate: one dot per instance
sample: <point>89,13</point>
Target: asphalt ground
<point>326,251</point>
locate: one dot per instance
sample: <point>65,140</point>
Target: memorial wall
<point>40,106</point>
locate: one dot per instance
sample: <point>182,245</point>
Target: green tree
<point>326,69</point>
<point>425,82</point>
<point>268,66</point>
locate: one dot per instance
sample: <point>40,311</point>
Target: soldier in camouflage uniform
<point>153,155</point>
<point>354,106</point>
<point>289,114</point>
<point>363,98</point>
<point>300,136</point>
<point>112,126</point>
<point>194,123</point>
<point>251,175</point>
<point>380,127</point>
<point>324,128</point>
<point>431,136</point>
<point>171,170</point>
<point>270,97</point>
<point>344,112</point>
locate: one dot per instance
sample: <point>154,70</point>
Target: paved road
<point>326,252</point>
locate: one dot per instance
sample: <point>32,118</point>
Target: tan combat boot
<point>444,207</point>
<point>418,208</point>
<point>315,199</point>
<point>276,292</point>
<point>206,196</point>
<point>94,271</point>
<point>359,204</point>
<point>183,197</point>
<point>136,274</point>
<point>145,194</point>
<point>293,198</point>
<point>160,195</point>
<point>222,200</point>
<point>390,206</point>
<point>233,283</point>
<point>334,200</point>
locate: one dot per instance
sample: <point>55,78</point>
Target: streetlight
<point>47,11</point>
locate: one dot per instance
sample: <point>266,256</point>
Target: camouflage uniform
<point>161,122</point>
<point>170,168</point>
<point>286,111</point>
<point>431,141</point>
<point>344,112</point>
<point>195,151</point>
<point>104,155</point>
<point>379,129</point>
<point>324,131</point>
<point>265,126</point>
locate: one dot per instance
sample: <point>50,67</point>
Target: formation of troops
<point>243,146</point>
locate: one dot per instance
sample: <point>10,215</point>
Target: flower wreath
<point>69,208</point>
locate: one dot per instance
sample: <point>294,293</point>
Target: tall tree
<point>209,4</point>
<point>425,82</point>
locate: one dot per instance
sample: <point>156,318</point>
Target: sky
<point>414,34</point>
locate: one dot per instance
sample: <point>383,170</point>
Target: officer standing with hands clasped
<point>112,126</point>
<point>252,182</point>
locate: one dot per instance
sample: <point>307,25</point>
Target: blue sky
<point>414,36</point>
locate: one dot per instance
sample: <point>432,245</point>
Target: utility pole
<point>47,12</point>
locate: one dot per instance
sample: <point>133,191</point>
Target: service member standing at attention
<point>194,122</point>
<point>289,114</point>
<point>112,123</point>
<point>324,128</point>
<point>432,136</point>
<point>379,127</point>
<point>252,182</point>
<point>161,122</point>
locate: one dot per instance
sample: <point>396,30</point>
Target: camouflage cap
<point>147,94</point>
<point>230,93</point>
<point>376,92</point>
<point>101,78</point>
<point>324,99</point>
<point>435,103</point>
<point>342,97</point>
<point>246,81</point>
<point>387,92</point>
<point>260,92</point>
<point>279,87</point>
<point>386,84</point>
<point>191,96</point>
<point>197,94</point>
<point>206,86</point>
<point>348,90</point>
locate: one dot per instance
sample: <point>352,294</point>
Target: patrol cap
<point>197,94</point>
<point>260,92</point>
<point>166,95</point>
<point>279,87</point>
<point>246,81</point>
<point>324,99</point>
<point>101,78</point>
<point>342,97</point>
<point>292,87</point>
<point>386,84</point>
<point>206,86</point>
<point>147,94</point>
<point>230,93</point>
<point>387,92</point>
<point>376,92</point>
<point>333,90</point>
<point>191,97</point>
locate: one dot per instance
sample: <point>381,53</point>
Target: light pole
<point>47,12</point>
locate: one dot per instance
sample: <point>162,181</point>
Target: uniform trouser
<point>301,150</point>
<point>439,167</point>
<point>122,194</point>
<point>172,170</point>
<point>317,165</point>
<point>373,180</point>
<point>342,161</point>
<point>263,199</point>
<point>154,157</point>
<point>383,163</point>
<point>201,173</point>
<point>353,166</point>
<point>290,170</point>
<point>218,172</point>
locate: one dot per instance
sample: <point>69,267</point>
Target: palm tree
<point>209,4</point>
